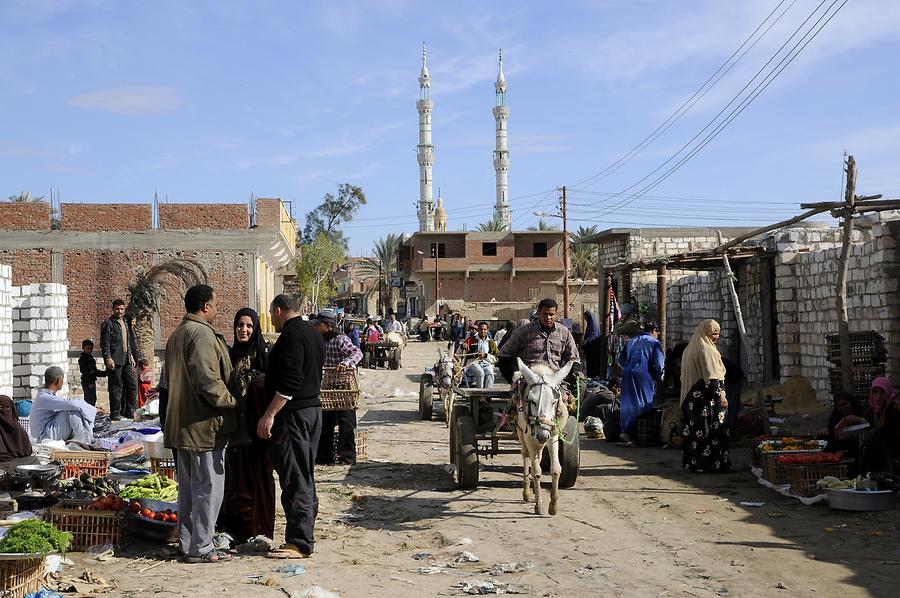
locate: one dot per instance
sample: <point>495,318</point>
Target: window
<point>441,249</point>
<point>488,249</point>
<point>539,249</point>
<point>533,293</point>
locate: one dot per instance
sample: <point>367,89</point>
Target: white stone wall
<point>40,326</point>
<point>6,337</point>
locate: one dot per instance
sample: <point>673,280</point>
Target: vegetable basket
<point>340,390</point>
<point>20,574</point>
<point>88,528</point>
<point>75,463</point>
<point>803,477</point>
<point>159,531</point>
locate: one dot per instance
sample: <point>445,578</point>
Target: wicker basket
<point>362,440</point>
<point>20,575</point>
<point>340,390</point>
<point>163,467</point>
<point>75,463</point>
<point>88,528</point>
<point>803,477</point>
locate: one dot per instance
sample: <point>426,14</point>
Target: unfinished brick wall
<point>6,334</point>
<point>268,213</point>
<point>194,216</point>
<point>28,265</point>
<point>39,336</point>
<point>103,217</point>
<point>16,215</point>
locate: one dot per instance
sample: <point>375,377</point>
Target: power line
<point>760,87</point>
<point>718,74</point>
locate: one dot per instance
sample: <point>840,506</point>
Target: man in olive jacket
<point>201,416</point>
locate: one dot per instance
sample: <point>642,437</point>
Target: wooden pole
<point>565,224</point>
<point>742,330</point>
<point>843,266</point>
<point>661,278</point>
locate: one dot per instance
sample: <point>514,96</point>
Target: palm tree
<point>543,225</point>
<point>147,290</point>
<point>385,258</point>
<point>25,197</point>
<point>491,225</point>
<point>583,256</point>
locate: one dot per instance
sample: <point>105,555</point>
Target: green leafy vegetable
<point>35,536</point>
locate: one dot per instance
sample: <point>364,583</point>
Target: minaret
<point>425,151</point>
<point>501,154</point>
<point>440,214</point>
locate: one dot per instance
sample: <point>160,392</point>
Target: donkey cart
<point>479,428</point>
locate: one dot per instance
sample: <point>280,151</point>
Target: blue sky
<point>212,101</point>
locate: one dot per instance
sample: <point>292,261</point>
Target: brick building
<point>479,267</point>
<point>100,247</point>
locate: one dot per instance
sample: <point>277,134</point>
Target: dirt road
<point>634,525</point>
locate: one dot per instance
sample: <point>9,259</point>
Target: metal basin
<point>38,471</point>
<point>861,500</point>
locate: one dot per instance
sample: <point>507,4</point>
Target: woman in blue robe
<point>643,362</point>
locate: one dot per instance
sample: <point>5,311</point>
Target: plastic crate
<point>75,463</point>
<point>25,422</point>
<point>20,575</point>
<point>866,348</point>
<point>88,528</point>
<point>648,426</point>
<point>163,467</point>
<point>803,477</point>
<point>862,380</point>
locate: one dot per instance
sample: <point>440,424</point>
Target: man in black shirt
<point>120,354</point>
<point>293,420</point>
<point>89,372</point>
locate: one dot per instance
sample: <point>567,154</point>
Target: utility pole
<point>843,320</point>
<point>437,282</point>
<point>565,224</point>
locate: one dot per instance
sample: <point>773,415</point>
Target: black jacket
<point>88,368</point>
<point>295,365</point>
<point>111,342</point>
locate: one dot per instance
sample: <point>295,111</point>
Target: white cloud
<point>131,101</point>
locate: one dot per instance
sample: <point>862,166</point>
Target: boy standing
<point>89,372</point>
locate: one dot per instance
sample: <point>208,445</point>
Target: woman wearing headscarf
<point>14,442</point>
<point>642,362</point>
<point>704,407</point>
<point>592,346</point>
<point>249,507</point>
<point>882,450</point>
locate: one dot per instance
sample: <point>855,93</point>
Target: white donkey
<point>444,374</point>
<point>541,415</point>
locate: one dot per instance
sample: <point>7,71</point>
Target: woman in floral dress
<point>703,403</point>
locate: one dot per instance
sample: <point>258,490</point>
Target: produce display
<point>167,516</point>
<point>153,486</point>
<point>85,487</point>
<point>34,536</point>
<point>810,458</point>
<point>110,502</point>
<point>791,444</point>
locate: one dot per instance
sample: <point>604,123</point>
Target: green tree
<point>385,258</point>
<point>25,197</point>
<point>583,256</point>
<point>334,211</point>
<point>491,225</point>
<point>543,225</point>
<point>318,261</point>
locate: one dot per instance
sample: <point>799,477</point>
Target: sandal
<point>213,556</point>
<point>288,551</point>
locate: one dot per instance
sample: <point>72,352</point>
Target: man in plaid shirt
<point>542,341</point>
<point>340,353</point>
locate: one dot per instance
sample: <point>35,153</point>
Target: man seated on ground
<point>59,418</point>
<point>484,350</point>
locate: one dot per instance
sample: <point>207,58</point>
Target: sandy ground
<point>633,525</point>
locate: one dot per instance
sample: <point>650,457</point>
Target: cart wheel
<point>426,397</point>
<point>456,411</point>
<point>569,454</point>
<point>467,454</point>
<point>366,360</point>
<point>394,361</point>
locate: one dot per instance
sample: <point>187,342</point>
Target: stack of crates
<point>868,353</point>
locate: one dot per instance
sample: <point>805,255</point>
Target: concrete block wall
<point>40,328</point>
<point>6,332</point>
